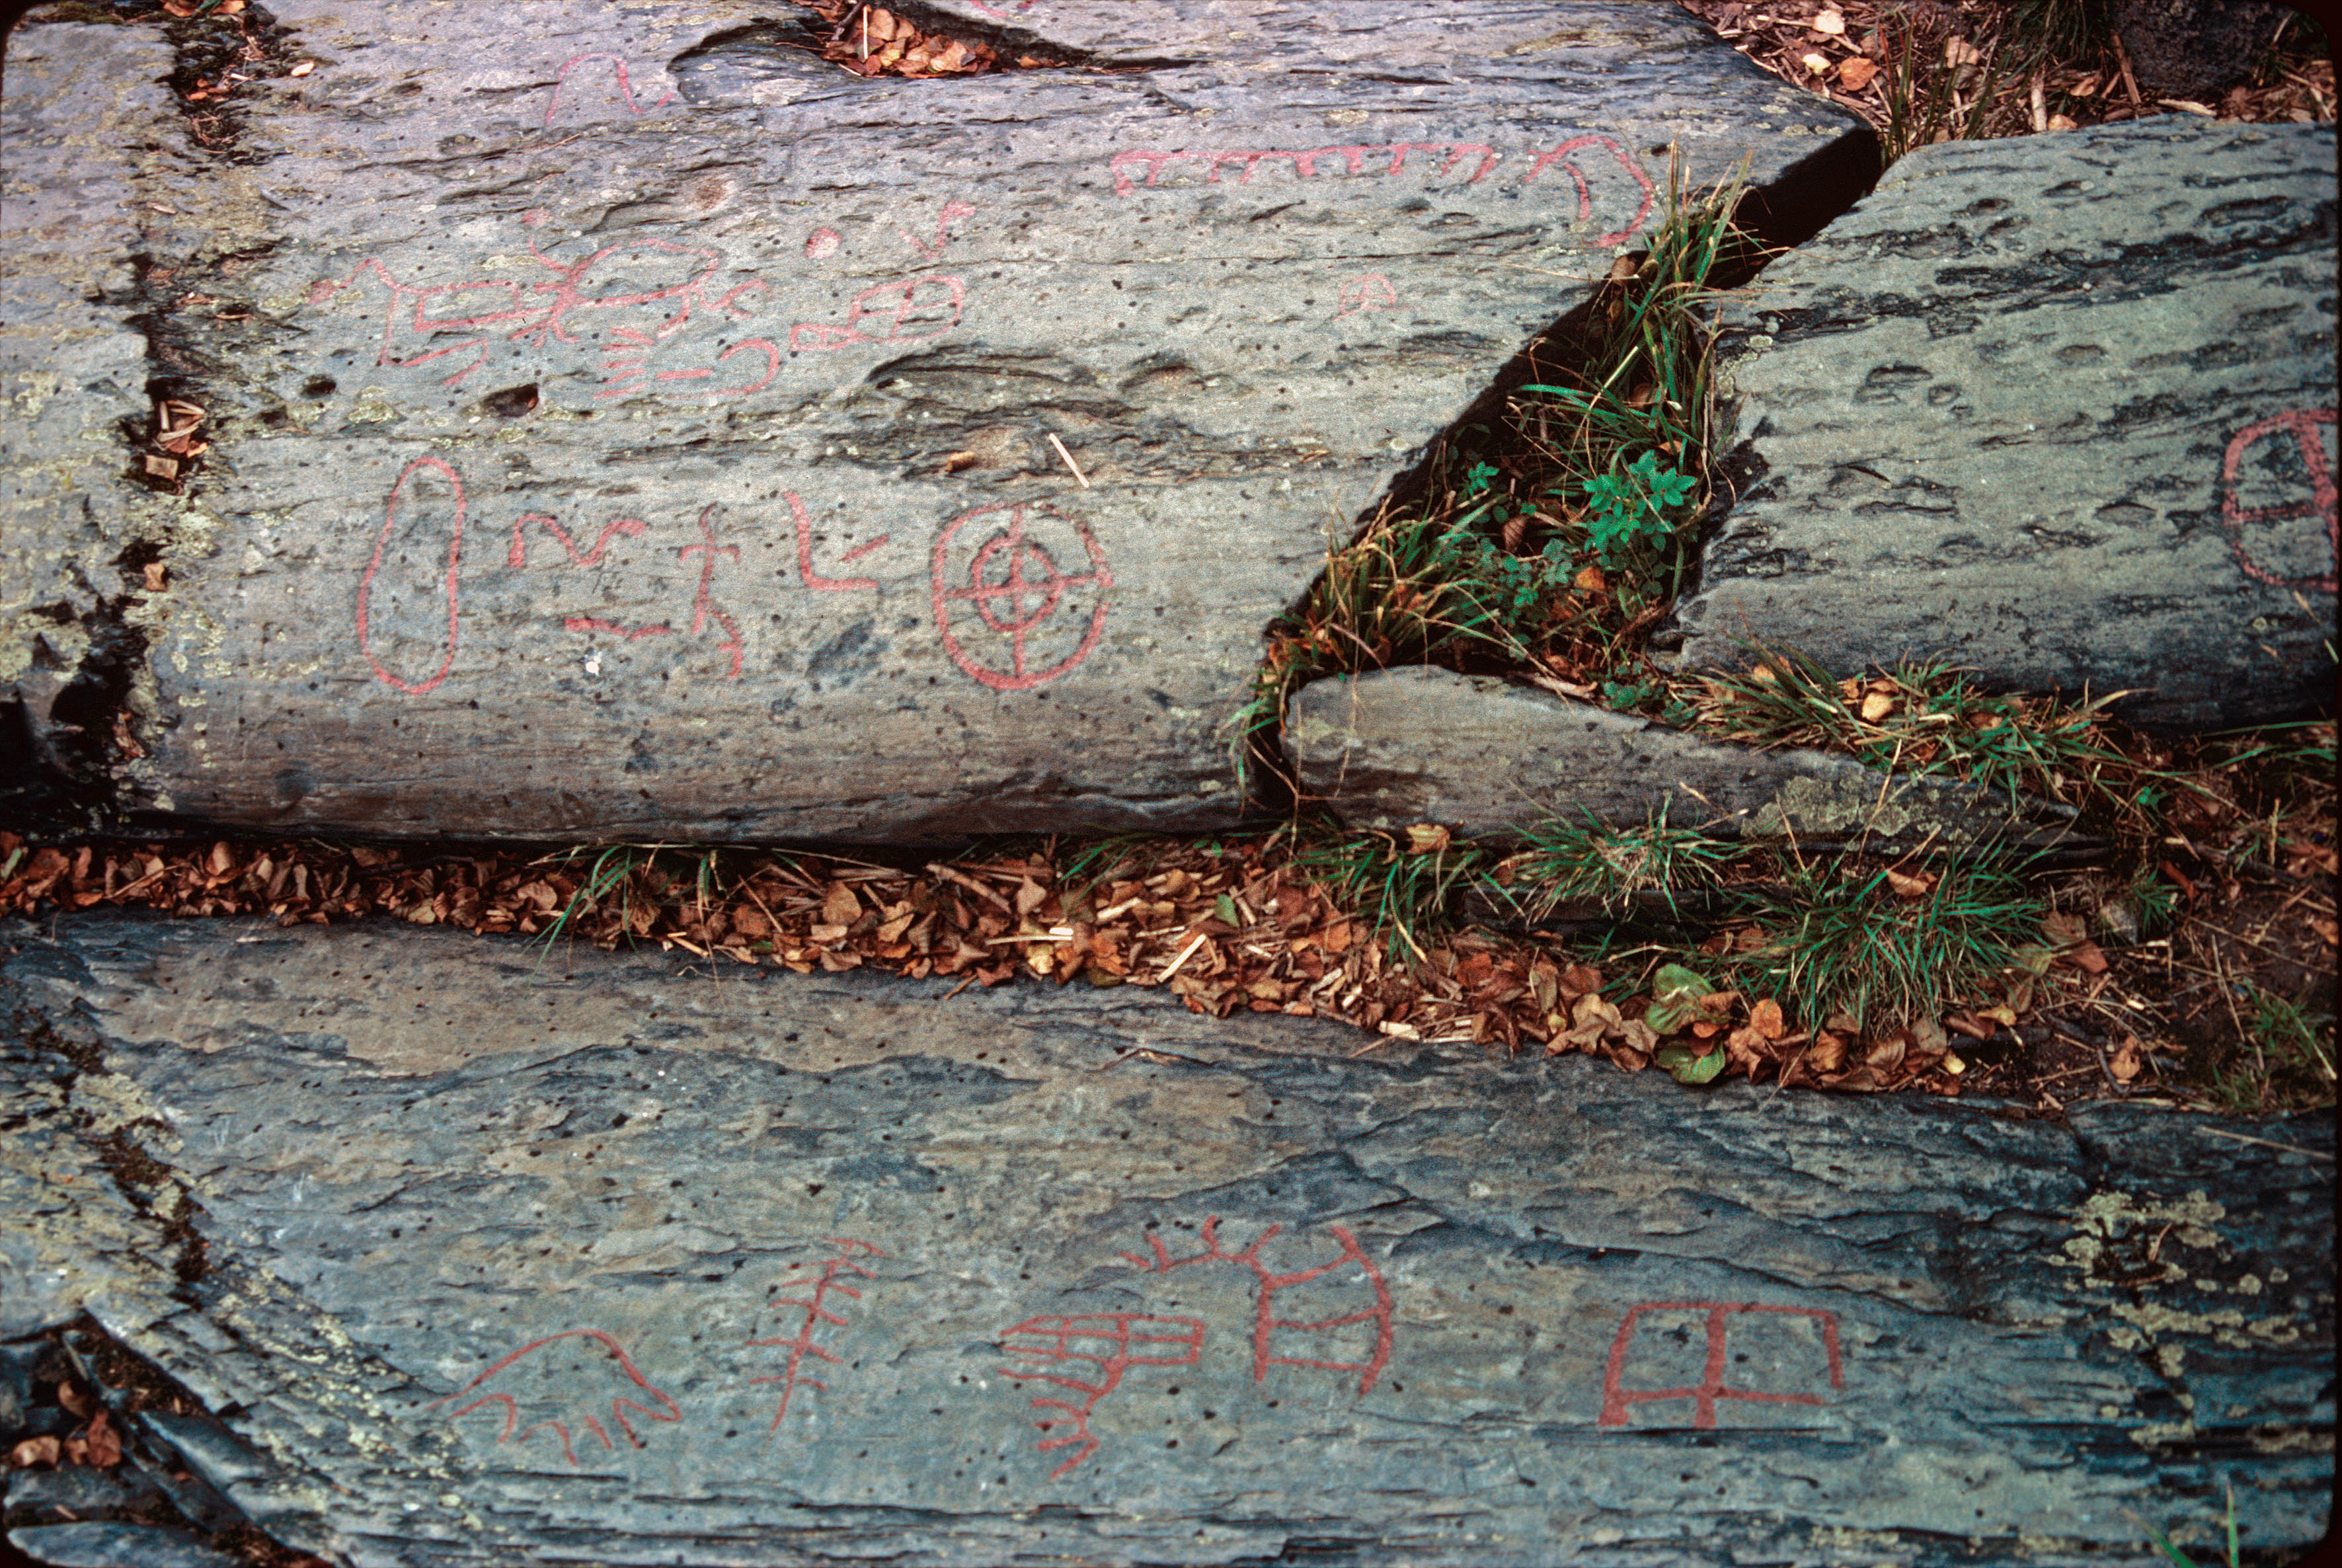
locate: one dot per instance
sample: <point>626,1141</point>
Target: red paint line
<point>624,1407</point>
<point>1616,1399</point>
<point>801,1344</point>
<point>454,561</point>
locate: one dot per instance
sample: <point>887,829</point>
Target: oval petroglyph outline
<point>454,561</point>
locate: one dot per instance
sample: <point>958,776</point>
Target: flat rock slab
<point>1490,759</point>
<point>624,423</point>
<point>514,1262</point>
<point>2061,407</point>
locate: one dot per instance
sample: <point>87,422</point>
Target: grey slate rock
<point>84,1491</point>
<point>2061,407</point>
<point>86,124</point>
<point>598,1258</point>
<point>587,382</point>
<point>110,1545</point>
<point>1489,759</point>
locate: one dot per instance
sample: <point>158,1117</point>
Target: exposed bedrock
<point>1489,759</point>
<point>626,424</point>
<point>2062,407</point>
<point>504,1261</point>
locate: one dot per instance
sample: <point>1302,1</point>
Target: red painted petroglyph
<point>1560,154</point>
<point>2304,426</point>
<point>626,89</point>
<point>544,310</point>
<point>1303,160</point>
<point>631,527</point>
<point>904,324</point>
<point>703,607</point>
<point>772,368</point>
<point>951,210</point>
<point>614,628</point>
<point>454,561</point>
<point>1267,1325</point>
<point>822,243</point>
<point>818,1314</point>
<point>1355,161</point>
<point>1365,293</point>
<point>814,579</point>
<point>610,1375</point>
<point>998,576</point>
<point>1711,1386</point>
<point>1110,1344</point>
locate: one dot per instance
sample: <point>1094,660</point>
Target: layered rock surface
<point>1489,759</point>
<point>624,423</point>
<point>491,1257</point>
<point>2061,407</point>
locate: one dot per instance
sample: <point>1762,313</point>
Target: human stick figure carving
<point>575,1384</point>
<point>826,1281</point>
<point>1616,1399</point>
<point>2307,426</point>
<point>1014,612</point>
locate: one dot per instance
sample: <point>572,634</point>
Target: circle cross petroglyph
<point>1001,608</point>
<point>2309,440</point>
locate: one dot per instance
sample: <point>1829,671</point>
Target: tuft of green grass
<point>1621,434</point>
<point>1401,884</point>
<point>1930,98</point>
<point>1941,723</point>
<point>1840,941</point>
<point>2285,1063</point>
<point>1590,859</point>
<point>2043,32</point>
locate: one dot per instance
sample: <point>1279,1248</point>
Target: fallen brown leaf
<point>1910,885</point>
<point>102,1444</point>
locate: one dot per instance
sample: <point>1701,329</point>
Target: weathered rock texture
<point>1490,758</point>
<point>625,422</point>
<point>509,1260</point>
<point>2060,407</point>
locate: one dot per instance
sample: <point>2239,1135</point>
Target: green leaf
<point>1226,908</point>
<point>1686,1066</point>
<point>1675,993</point>
<point>1477,477</point>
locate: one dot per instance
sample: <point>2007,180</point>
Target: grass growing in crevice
<point>1404,885</point>
<point>1924,717</point>
<point>2286,1060</point>
<point>1590,859</point>
<point>1557,533</point>
<point>1843,938</point>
